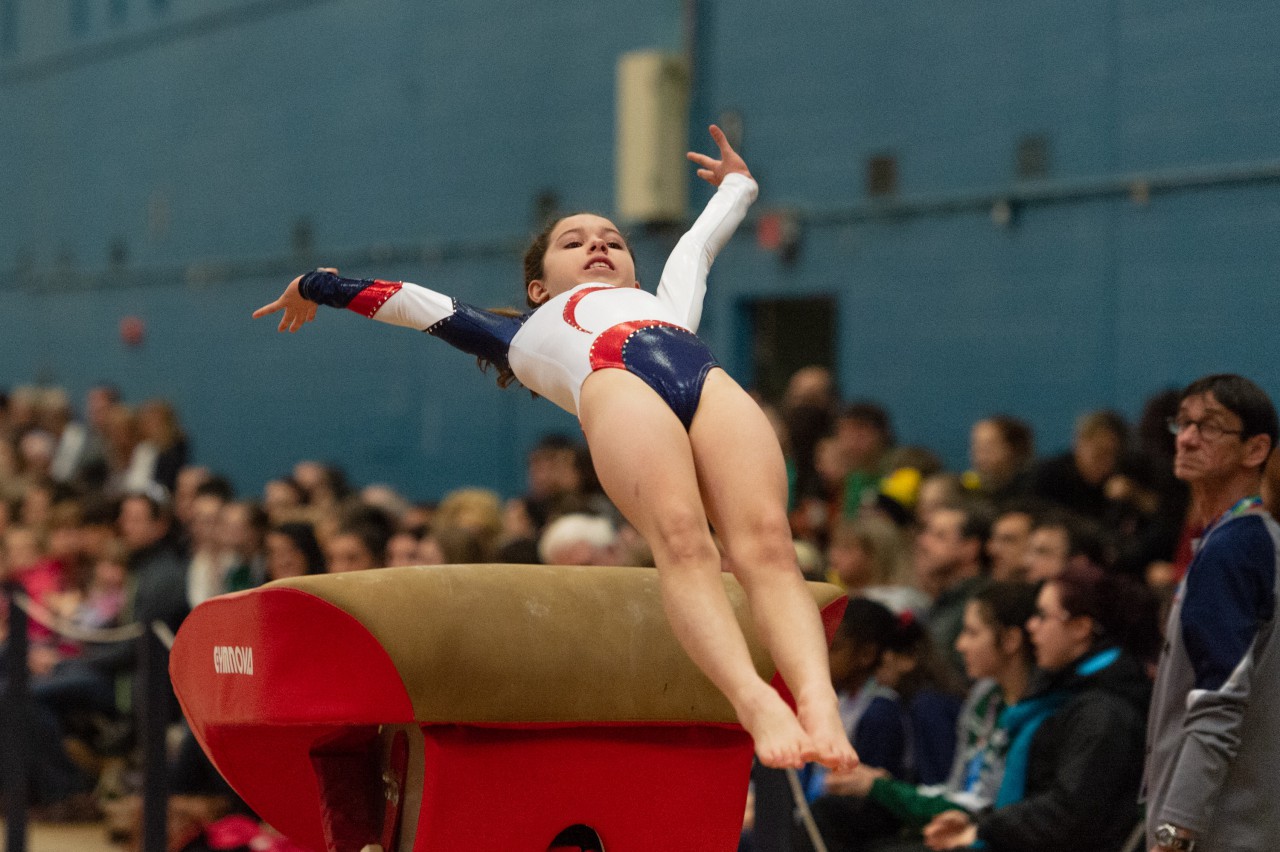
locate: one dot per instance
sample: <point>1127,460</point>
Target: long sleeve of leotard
<point>478,332</point>
<point>684,278</point>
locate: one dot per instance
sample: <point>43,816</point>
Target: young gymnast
<point>674,439</point>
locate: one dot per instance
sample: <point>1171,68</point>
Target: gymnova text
<point>233,659</point>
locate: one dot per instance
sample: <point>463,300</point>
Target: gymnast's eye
<point>617,245</point>
<point>573,244</point>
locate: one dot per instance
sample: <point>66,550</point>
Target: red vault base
<point>306,715</point>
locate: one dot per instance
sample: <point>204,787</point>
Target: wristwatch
<point>1169,836</point>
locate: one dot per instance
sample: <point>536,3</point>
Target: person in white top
<point>674,439</point>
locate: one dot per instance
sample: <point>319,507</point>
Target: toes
<point>791,756</point>
<point>837,756</point>
<point>771,759</point>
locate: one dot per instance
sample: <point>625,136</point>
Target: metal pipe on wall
<point>1140,187</point>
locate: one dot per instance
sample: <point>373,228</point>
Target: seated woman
<point>998,657</point>
<point>1071,781</point>
<point>872,712</point>
<point>931,695</point>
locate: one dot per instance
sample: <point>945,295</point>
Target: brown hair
<point>1017,435</point>
<point>533,257</point>
<point>533,270</point>
<point>1124,611</point>
<point>879,539</point>
<point>1242,398</point>
<point>158,422</point>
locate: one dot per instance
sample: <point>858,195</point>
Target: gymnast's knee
<point>764,539</point>
<point>682,537</point>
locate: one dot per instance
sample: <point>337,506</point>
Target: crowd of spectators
<point>106,520</point>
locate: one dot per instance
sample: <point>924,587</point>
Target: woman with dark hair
<point>870,710</point>
<point>998,656</point>
<point>356,546</point>
<point>1071,779</point>
<point>1152,503</point>
<point>931,693</point>
<point>292,551</point>
<point>881,666</point>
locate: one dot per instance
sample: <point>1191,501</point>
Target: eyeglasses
<point>1041,615</point>
<point>1208,429</point>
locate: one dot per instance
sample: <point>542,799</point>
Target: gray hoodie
<point>1213,738</point>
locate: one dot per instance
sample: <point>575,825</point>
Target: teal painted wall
<point>180,160</point>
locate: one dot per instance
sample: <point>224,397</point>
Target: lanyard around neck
<point>1248,504</point>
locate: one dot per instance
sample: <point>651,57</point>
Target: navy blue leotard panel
<point>325,288</point>
<point>669,359</point>
<point>482,333</point>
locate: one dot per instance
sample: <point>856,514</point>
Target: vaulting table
<point>485,708</point>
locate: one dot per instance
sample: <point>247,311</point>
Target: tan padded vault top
<point>537,644</point>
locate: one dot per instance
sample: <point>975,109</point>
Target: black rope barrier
<point>153,662</point>
<point>15,773</point>
<point>70,630</point>
<point>153,710</point>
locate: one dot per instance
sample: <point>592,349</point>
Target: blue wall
<point>199,134</point>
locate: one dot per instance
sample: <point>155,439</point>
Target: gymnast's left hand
<point>297,310</point>
<point>714,171</point>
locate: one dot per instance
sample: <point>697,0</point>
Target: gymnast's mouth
<point>599,263</point>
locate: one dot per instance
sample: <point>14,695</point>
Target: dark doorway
<point>787,334</point>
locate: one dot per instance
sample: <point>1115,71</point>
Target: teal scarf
<point>1021,721</point>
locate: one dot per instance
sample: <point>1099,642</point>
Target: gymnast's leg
<point>642,455</point>
<point>744,486</point>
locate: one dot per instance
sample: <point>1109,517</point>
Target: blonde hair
<point>476,509</point>
<point>881,541</point>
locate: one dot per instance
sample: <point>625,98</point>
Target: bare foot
<point>820,718</point>
<point>781,742</point>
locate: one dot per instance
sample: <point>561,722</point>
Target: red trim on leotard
<point>572,305</point>
<point>606,350</point>
<point>371,298</point>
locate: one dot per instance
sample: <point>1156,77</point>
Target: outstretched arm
<point>684,278</point>
<point>394,302</point>
<point>481,333</point>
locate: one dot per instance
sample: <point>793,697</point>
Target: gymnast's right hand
<point>297,310</point>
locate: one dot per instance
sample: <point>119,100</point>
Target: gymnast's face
<point>583,249</point>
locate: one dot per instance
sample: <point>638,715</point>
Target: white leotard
<point>549,350</point>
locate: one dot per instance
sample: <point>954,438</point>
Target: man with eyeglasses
<point>1213,736</point>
